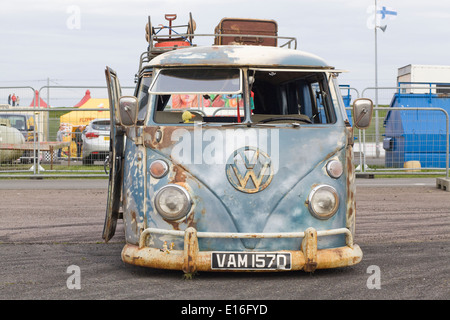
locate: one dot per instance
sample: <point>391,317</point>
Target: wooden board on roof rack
<point>251,30</point>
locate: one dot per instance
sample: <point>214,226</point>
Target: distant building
<point>436,77</point>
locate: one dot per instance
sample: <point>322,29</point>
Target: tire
<point>87,161</point>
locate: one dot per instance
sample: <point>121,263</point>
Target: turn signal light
<point>335,169</point>
<point>158,169</point>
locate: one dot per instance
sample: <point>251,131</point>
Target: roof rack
<point>175,39</point>
<point>160,43</point>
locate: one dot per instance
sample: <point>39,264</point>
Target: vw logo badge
<point>249,170</point>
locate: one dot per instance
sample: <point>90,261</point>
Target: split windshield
<point>217,95</point>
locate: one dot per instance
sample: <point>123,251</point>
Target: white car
<point>96,139</point>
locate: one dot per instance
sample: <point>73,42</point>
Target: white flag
<point>382,13</point>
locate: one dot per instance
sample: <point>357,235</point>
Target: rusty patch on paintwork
<point>179,174</point>
<point>133,215</point>
<point>175,224</point>
<point>124,199</point>
<point>150,140</point>
<point>331,154</point>
<point>310,266</point>
<point>191,250</point>
<point>350,212</point>
<point>351,200</point>
<point>134,221</point>
<point>188,220</point>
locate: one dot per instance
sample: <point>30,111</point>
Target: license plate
<point>250,261</point>
<point>106,138</point>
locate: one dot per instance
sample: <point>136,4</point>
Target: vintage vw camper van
<point>233,157</point>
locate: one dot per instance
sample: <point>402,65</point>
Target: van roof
<point>252,56</point>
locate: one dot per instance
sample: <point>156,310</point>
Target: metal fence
<point>54,141</point>
<point>409,133</point>
<point>408,141</point>
<point>51,142</point>
<point>400,141</point>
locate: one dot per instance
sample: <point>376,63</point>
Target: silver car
<point>96,140</point>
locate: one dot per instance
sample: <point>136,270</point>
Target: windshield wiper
<point>247,124</point>
<point>285,119</point>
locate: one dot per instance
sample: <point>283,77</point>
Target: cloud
<point>40,43</point>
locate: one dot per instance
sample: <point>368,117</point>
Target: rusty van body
<point>232,157</point>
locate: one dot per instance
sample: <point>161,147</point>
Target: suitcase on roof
<point>246,32</point>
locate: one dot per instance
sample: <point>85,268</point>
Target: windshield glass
<point>287,96</point>
<point>101,125</point>
<point>275,96</point>
<point>209,94</point>
<point>18,122</point>
<point>227,81</point>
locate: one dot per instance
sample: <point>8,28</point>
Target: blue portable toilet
<point>416,135</point>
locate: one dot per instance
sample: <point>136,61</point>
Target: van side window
<point>143,95</point>
<point>292,93</point>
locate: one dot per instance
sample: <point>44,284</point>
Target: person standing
<point>59,138</point>
<point>13,98</point>
<point>9,99</point>
<point>79,139</point>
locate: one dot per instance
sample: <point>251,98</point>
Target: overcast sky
<point>72,41</point>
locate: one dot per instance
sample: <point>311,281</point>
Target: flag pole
<point>377,149</point>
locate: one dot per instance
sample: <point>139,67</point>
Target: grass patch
<point>54,122</point>
<point>371,131</point>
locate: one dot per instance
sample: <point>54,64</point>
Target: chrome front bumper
<point>190,260</point>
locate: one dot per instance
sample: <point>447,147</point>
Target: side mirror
<point>128,110</point>
<point>362,113</point>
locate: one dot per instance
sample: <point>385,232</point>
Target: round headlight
<point>172,202</point>
<point>323,202</point>
<point>334,168</point>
